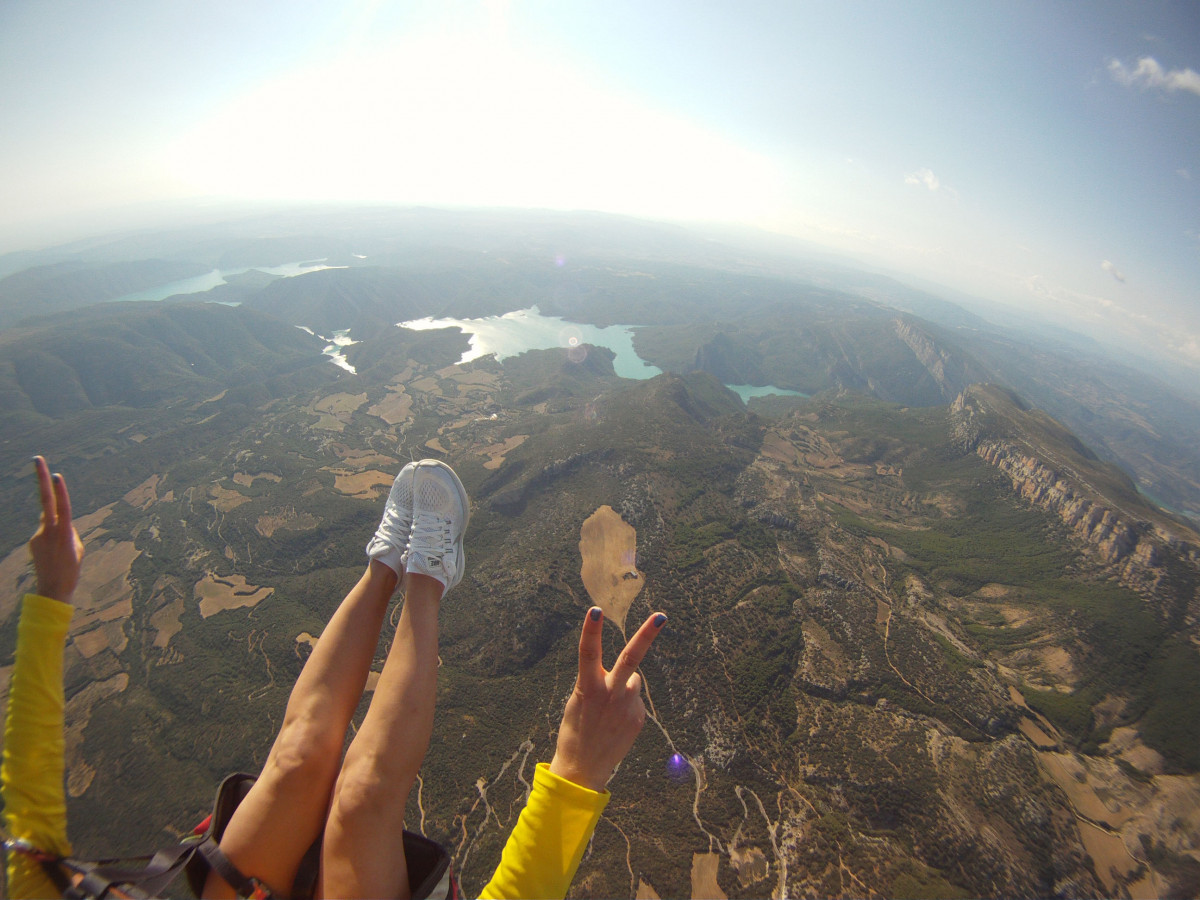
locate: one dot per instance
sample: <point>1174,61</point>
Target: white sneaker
<point>440,514</point>
<point>390,543</point>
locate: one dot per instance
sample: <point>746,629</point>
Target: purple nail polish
<point>596,613</point>
<point>660,620</point>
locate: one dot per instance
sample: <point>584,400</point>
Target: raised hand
<point>56,548</point>
<point>605,711</point>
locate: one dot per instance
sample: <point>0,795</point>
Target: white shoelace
<point>431,536</point>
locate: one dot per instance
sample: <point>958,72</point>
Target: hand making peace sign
<point>605,711</point>
<point>56,548</point>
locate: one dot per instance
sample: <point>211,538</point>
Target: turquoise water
<point>747,391</point>
<point>335,347</point>
<point>527,329</point>
<point>199,283</point>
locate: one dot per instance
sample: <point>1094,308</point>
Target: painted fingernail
<point>595,613</point>
<point>660,620</point>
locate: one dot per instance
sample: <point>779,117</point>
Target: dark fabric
<point>428,864</point>
<point>429,874</point>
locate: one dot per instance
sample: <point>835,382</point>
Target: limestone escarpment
<point>1116,539</point>
<point>1050,469</point>
<point>942,368</point>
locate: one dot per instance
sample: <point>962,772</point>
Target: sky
<point>1040,155</point>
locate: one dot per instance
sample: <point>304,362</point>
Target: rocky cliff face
<point>944,370</point>
<point>1116,540</point>
<point>1138,550</point>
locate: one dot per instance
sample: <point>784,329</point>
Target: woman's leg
<point>284,813</point>
<point>285,810</point>
<point>363,854</point>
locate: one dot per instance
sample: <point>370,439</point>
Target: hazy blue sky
<point>1045,155</point>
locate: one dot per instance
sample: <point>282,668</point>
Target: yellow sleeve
<point>544,850</point>
<point>31,776</point>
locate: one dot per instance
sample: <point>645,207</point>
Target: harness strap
<point>248,887</point>
<point>103,880</point>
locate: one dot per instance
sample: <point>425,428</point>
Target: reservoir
<point>749,391</point>
<point>527,329</point>
<point>199,283</point>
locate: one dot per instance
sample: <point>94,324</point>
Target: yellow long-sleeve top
<point>31,776</point>
<point>544,850</point>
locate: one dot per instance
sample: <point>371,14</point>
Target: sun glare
<point>475,123</point>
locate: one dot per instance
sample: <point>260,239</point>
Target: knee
<point>305,753</point>
<point>368,789</point>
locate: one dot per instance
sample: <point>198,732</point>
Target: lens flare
<point>678,768</point>
<point>571,336</point>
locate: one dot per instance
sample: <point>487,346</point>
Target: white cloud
<point>925,177</point>
<point>1160,333</point>
<point>1113,271</point>
<point>1087,307</point>
<point>1185,174</point>
<point>1149,73</point>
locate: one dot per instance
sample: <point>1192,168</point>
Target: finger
<point>591,663</point>
<point>63,500</point>
<point>635,651</point>
<point>49,515</point>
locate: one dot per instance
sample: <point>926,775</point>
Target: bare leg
<point>363,853</point>
<point>285,810</point>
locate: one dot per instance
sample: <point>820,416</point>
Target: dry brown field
<point>608,545</point>
<point>394,409</point>
<point>497,452</point>
<point>217,593</point>
<point>704,877</point>
<point>245,479</point>
<point>369,485</point>
<point>77,714</point>
<point>285,520</point>
<point>166,623</point>
<point>224,499</point>
<point>144,494</point>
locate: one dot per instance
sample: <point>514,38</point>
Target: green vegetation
<point>1170,696</point>
<point>1070,712</point>
<point>996,540</point>
<point>691,542</point>
<point>925,884</point>
<point>955,660</point>
<point>992,637</point>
